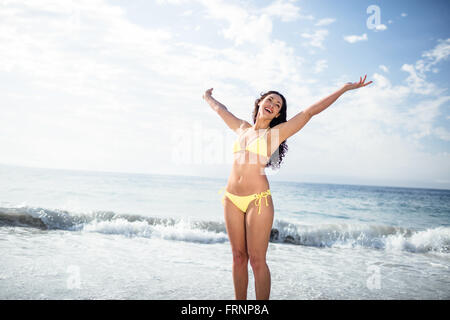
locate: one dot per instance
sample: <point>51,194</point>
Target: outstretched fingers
<point>207,93</point>
<point>360,84</point>
<point>362,80</point>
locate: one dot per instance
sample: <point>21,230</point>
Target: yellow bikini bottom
<point>242,202</point>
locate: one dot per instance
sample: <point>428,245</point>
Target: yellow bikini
<point>242,202</point>
<point>257,146</point>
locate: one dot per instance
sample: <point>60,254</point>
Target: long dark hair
<point>277,156</point>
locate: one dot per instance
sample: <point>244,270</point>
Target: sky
<point>117,86</point>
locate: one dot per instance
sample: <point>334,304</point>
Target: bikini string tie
<point>258,198</point>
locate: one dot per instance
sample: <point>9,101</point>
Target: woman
<point>248,206</point>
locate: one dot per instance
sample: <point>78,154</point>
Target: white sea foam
<point>344,235</point>
<point>365,235</point>
<point>181,230</point>
<point>437,239</point>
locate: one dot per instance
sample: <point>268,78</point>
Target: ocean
<point>93,235</point>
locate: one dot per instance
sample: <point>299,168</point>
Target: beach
<point>90,235</point>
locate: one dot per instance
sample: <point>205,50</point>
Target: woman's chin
<point>266,117</point>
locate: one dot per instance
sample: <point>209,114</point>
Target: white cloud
<point>423,115</point>
<point>418,82</point>
<point>442,133</point>
<point>324,22</point>
<point>253,29</point>
<point>355,38</point>
<point>380,27</point>
<point>316,38</point>
<point>404,14</point>
<point>381,81</point>
<point>307,17</point>
<point>417,72</point>
<point>268,62</point>
<point>187,13</point>
<point>243,25</point>
<point>384,68</point>
<point>176,2</point>
<point>432,57</point>
<point>284,10</point>
<point>320,66</point>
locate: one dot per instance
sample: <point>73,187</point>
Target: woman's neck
<point>261,124</point>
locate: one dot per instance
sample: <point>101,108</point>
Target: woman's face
<point>270,106</point>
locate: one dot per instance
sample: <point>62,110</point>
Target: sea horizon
<point>270,178</point>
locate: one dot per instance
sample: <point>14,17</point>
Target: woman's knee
<point>258,261</point>
<point>240,258</point>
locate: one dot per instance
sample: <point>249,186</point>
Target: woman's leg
<point>258,227</point>
<point>235,225</point>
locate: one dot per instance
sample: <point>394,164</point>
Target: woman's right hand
<point>207,93</point>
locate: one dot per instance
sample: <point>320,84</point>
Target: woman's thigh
<point>235,225</point>
<point>258,227</point>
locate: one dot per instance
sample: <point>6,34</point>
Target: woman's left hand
<point>355,85</point>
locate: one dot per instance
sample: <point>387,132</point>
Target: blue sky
<point>117,86</point>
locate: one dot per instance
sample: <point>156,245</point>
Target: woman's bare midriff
<point>245,178</point>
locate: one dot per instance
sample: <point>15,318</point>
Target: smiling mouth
<point>268,110</point>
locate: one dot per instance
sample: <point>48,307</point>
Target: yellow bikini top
<point>258,145</point>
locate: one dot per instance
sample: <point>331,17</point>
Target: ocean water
<point>89,235</point>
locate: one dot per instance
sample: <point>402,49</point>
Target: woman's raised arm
<point>293,125</point>
<point>230,119</point>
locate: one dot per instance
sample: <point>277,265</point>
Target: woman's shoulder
<point>244,127</point>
